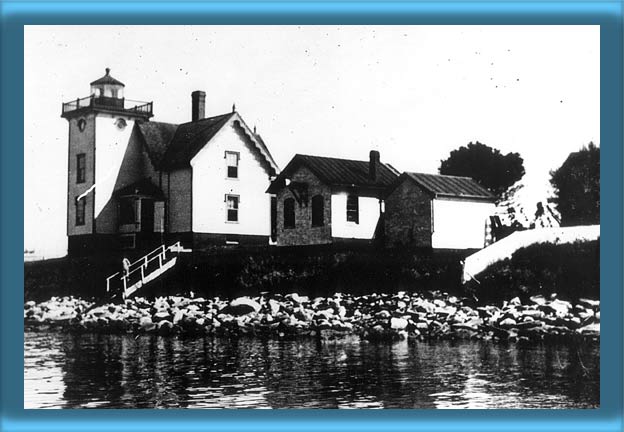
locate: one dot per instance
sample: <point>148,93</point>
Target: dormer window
<point>231,160</point>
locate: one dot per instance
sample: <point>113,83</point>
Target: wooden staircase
<point>144,270</point>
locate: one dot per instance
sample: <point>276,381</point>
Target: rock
<point>398,323</point>
<point>294,297</point>
<point>160,316</point>
<point>590,330</point>
<point>532,313</point>
<point>164,327</point>
<point>378,329</point>
<point>382,314</point>
<point>515,301</point>
<point>178,317</point>
<point>560,307</point>
<point>464,327</point>
<point>241,306</point>
<point>592,304</point>
<point>439,303</point>
<point>274,306</point>
<point>507,322</point>
<point>323,325</point>
<point>146,324</point>
<point>538,300</point>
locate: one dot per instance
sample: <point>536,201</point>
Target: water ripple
<point>109,371</point>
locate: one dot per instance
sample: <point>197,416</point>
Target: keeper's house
<point>437,212</point>
<point>322,200</point>
<point>134,183</point>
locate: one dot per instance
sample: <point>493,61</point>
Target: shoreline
<point>376,317</point>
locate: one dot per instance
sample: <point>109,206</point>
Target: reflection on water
<point>109,371</point>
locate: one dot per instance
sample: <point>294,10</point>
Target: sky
<point>414,93</point>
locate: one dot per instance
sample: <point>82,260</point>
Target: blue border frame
<point>14,15</point>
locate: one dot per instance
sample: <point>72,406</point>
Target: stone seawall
<point>400,316</point>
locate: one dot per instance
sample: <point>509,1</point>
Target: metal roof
<point>451,186</point>
<point>338,172</point>
<point>107,79</point>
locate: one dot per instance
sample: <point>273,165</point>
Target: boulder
<point>178,317</point>
<point>398,323</point>
<point>382,314</point>
<point>161,315</point>
<point>508,322</point>
<point>274,306</point>
<point>590,330</point>
<point>241,306</point>
<point>422,325</point>
<point>592,304</point>
<point>164,327</point>
<point>515,301</point>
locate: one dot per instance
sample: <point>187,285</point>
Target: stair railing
<point>140,265</point>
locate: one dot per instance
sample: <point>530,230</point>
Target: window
<point>80,211</point>
<point>127,212</point>
<point>353,209</point>
<point>289,213</point>
<point>231,158</point>
<point>120,123</point>
<point>317,210</point>
<point>232,207</point>
<point>80,168</point>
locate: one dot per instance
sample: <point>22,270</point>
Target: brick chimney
<point>198,110</point>
<point>373,165</point>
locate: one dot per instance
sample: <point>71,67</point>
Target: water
<point>112,371</point>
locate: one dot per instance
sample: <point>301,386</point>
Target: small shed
<point>437,211</point>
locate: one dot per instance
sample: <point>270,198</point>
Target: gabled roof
<point>338,172</point>
<point>448,186</point>
<point>107,79</point>
<point>173,146</point>
<point>265,150</point>
<point>156,136</point>
<point>190,138</point>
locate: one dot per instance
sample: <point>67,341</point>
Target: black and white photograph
<point>312,216</point>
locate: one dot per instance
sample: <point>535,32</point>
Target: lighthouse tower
<point>99,130</point>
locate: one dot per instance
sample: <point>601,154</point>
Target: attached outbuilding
<point>437,211</point>
<point>322,200</point>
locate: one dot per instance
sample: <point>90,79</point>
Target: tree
<point>577,183</point>
<point>491,169</point>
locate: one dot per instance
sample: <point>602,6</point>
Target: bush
<point>571,271</point>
